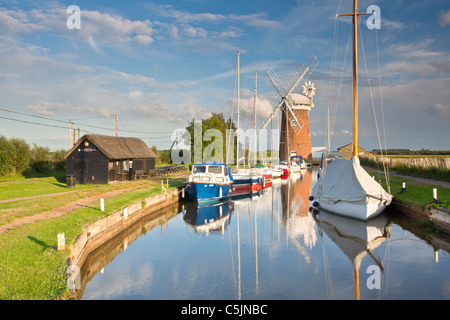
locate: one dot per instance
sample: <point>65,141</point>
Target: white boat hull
<point>347,189</point>
<point>356,211</point>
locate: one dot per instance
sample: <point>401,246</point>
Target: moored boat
<point>344,187</point>
<point>246,181</point>
<point>209,181</point>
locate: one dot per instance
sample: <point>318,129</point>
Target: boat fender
<point>311,198</point>
<point>315,204</point>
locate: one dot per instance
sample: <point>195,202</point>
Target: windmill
<point>295,138</point>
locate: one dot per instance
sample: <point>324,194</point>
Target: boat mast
<point>238,98</point>
<point>355,16</point>
<point>355,78</point>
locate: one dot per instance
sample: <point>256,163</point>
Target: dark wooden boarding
<point>102,159</point>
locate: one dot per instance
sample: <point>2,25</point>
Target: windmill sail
<point>285,105</point>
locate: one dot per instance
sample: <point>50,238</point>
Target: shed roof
<point>351,144</point>
<point>117,147</point>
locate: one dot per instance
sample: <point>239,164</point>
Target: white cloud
<point>158,111</point>
<point>96,28</point>
<point>47,108</point>
<point>442,110</point>
<point>444,18</point>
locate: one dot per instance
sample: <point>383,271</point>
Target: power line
<point>32,115</point>
<point>37,123</point>
<point>73,123</point>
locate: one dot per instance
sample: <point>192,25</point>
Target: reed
<point>437,168</point>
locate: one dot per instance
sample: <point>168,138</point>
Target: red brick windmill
<point>295,138</point>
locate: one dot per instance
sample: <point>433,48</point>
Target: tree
<point>21,154</point>
<point>215,121</point>
<point>40,158</point>
<point>14,156</point>
<point>58,161</point>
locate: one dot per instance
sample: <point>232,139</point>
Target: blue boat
<point>209,181</point>
<point>208,218</point>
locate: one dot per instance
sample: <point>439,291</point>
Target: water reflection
<point>267,246</point>
<point>209,217</point>
<point>355,238</point>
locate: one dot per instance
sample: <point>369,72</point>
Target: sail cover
<point>345,180</point>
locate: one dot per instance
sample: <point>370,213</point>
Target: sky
<point>160,64</point>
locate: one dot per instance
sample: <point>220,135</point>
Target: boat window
<point>199,169</point>
<point>215,169</point>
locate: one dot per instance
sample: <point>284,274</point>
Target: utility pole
<point>70,134</point>
<point>117,125</point>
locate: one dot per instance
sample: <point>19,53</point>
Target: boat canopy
<point>345,180</point>
<point>217,163</point>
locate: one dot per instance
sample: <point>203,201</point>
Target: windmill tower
<point>295,137</point>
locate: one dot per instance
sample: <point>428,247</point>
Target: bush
<point>40,158</point>
<point>15,156</point>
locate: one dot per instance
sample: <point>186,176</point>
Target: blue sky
<point>159,64</point>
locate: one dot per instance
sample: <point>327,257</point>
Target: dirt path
<point>38,196</point>
<point>57,212</point>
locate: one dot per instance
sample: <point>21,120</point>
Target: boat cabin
<point>212,172</point>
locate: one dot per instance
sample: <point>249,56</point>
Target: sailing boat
<point>345,187</point>
<point>245,179</point>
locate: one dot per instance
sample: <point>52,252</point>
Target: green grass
<point>30,266</point>
<point>20,188</point>
<point>10,211</point>
<point>416,192</point>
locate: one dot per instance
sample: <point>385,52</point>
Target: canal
<point>268,247</point>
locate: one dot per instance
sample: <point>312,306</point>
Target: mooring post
<point>61,241</point>
<point>102,204</point>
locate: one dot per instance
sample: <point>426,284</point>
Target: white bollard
<point>102,204</point>
<point>434,194</point>
<point>403,186</point>
<point>61,241</point>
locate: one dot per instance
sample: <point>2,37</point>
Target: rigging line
<point>381,98</point>
<point>335,108</point>
<point>332,78</point>
<point>333,75</point>
<point>373,105</point>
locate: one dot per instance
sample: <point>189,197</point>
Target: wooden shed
<point>102,159</point>
<point>347,151</point>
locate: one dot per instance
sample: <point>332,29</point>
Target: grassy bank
<point>30,265</point>
<point>416,192</point>
<point>56,195</point>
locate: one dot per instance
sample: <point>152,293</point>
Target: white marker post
<point>102,204</point>
<point>61,241</point>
